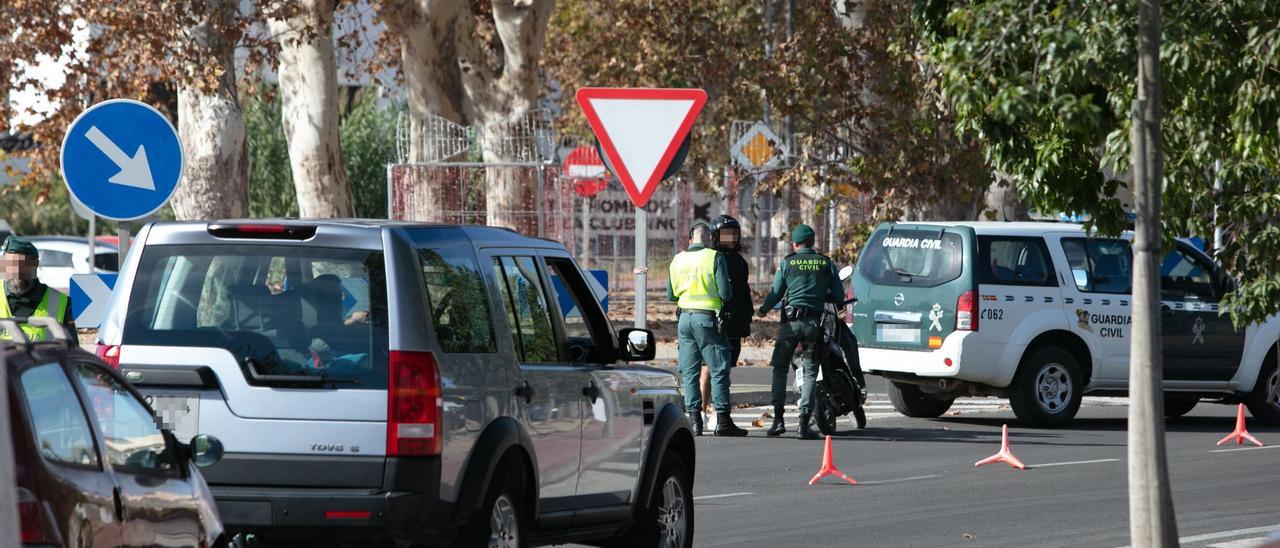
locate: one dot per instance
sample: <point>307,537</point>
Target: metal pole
<point>124,245</point>
<point>1217,197</point>
<point>768,48</point>
<point>586,231</point>
<point>642,264</point>
<point>93,232</point>
<point>389,186</point>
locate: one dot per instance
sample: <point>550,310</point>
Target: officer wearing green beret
<point>25,296</point>
<point>698,282</point>
<point>808,280</point>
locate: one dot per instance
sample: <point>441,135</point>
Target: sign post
<point>643,134</point>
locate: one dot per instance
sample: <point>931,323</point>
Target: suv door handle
<point>524,391</point>
<point>591,391</point>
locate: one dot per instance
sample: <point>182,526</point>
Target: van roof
<point>1031,228</point>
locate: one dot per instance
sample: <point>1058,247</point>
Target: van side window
<point>1182,278</point>
<point>456,296</point>
<point>585,326</point>
<point>1014,261</point>
<point>1100,266</point>
<point>527,313</point>
<point>57,419</point>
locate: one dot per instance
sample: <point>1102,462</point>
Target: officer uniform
<point>698,281</point>
<point>809,280</point>
<point>38,301</point>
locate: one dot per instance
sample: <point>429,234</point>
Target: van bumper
<point>971,361</point>
<point>341,514</point>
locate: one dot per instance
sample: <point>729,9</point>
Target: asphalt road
<point>918,485</point>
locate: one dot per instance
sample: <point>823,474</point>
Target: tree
<point>309,85</point>
<point>471,62</point>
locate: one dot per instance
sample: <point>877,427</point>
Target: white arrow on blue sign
<point>89,296</point>
<point>598,280</point>
<point>122,159</point>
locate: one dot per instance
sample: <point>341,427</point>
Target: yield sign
<point>640,130</point>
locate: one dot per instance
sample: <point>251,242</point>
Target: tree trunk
<point>216,177</point>
<point>1151,515</point>
<point>309,106</point>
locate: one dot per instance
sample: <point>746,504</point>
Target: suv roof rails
<point>14,329</point>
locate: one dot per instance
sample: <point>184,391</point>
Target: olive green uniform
<point>809,280</point>
<point>698,332</point>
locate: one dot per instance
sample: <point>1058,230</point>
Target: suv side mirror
<point>636,345</point>
<point>205,450</point>
<point>846,273</point>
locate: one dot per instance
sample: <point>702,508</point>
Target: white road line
<point>1244,449</point>
<point>899,480</point>
<point>723,496</point>
<point>1071,463</point>
<point>1242,543</point>
<point>1228,534</point>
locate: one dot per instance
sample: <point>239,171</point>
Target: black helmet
<point>721,223</point>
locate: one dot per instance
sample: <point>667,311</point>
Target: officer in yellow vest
<point>698,281</point>
<point>25,296</point>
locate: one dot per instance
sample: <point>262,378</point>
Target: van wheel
<point>668,521</point>
<point>1047,390</point>
<point>1264,401</point>
<point>1177,406</point>
<point>909,400</point>
<point>501,521</point>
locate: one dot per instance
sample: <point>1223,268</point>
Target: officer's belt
<point>801,312</point>
<point>698,311</point>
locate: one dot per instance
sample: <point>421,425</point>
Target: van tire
<point>504,503</point>
<point>1048,388</point>
<point>1177,406</point>
<point>648,531</point>
<point>909,400</point>
<point>1264,401</point>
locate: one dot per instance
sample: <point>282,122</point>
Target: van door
<point>1199,343</point>
<point>909,281</point>
<point>612,422</point>
<point>1017,281</point>
<point>549,389</point>
<point>1097,300</point>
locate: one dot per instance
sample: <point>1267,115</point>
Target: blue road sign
<point>89,295</point>
<point>122,159</point>
<point>599,282</point>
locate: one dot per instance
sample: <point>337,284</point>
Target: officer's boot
<point>778,428</point>
<point>695,422</point>
<point>805,432</point>
<point>725,426</point>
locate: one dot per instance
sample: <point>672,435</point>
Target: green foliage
<point>31,213</point>
<point>271,192</point>
<point>368,136</point>
<point>1047,88</point>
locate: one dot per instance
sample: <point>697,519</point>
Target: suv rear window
<point>916,258</point>
<point>288,310</point>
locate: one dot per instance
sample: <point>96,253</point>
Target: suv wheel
<point>909,400</point>
<point>500,523</point>
<point>1264,401</point>
<point>1048,388</point>
<point>668,521</point>
<point>1177,406</point>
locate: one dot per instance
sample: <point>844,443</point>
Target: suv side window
<point>58,423</point>
<point>1100,266</point>
<point>526,304</point>
<point>1184,277</point>
<point>589,330</point>
<point>1014,261</point>
<point>456,296</point>
<point>131,435</point>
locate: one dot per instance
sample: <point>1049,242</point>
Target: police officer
<point>809,280</point>
<point>24,294</point>
<point>698,281</point>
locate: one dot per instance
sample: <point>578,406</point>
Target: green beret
<point>21,246</point>
<point>802,233</point>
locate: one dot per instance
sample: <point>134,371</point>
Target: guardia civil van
<point>1041,313</point>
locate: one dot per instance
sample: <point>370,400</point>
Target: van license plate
<point>897,333</point>
<point>179,413</point>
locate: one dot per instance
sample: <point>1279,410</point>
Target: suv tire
<point>501,520</point>
<point>1177,406</point>
<point>668,521</point>
<point>1048,388</point>
<point>909,400</point>
<point>1264,401</point>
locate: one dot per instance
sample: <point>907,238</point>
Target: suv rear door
<point>908,281</point>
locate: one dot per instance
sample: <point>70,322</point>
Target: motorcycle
<point>841,386</point>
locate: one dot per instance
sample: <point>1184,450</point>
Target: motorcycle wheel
<point>824,414</point>
<point>860,415</point>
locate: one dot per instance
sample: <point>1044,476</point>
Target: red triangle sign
<point>640,130</point>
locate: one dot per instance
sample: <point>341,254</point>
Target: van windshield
<point>917,258</point>
<point>295,316</point>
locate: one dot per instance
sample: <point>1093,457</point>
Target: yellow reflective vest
<point>53,301</point>
<point>693,280</point>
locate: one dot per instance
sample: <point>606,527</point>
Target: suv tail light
<point>267,231</point>
<point>967,312</point>
<point>30,520</point>
<point>413,405</point>
<point>110,354</point>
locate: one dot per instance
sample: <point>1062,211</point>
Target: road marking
<point>1071,463</point>
<point>1228,534</point>
<point>1243,449</point>
<point>1242,543</point>
<point>724,496</point>
<point>899,480</point>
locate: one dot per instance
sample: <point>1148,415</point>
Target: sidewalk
<point>751,380</point>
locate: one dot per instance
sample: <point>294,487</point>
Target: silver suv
<point>379,381</point>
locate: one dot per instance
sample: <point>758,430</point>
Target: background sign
<point>89,295</point>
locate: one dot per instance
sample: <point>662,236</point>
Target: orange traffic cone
<point>829,467</point>
<point>1240,434</point>
<point>1004,455</point>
